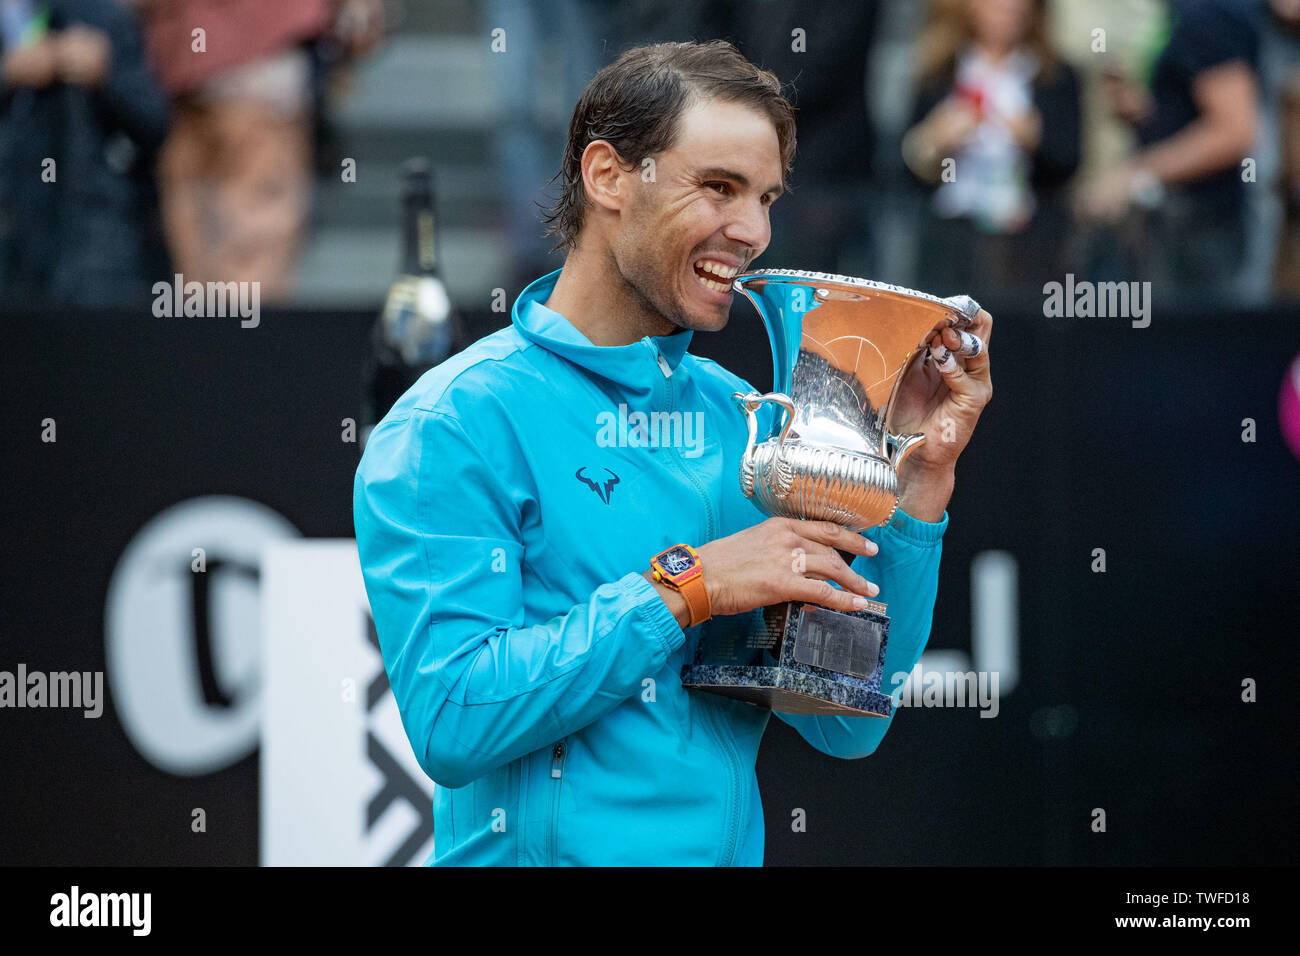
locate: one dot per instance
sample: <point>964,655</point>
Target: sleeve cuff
<point>654,612</point>
<point>914,530</point>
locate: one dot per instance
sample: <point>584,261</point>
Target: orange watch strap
<point>697,599</point>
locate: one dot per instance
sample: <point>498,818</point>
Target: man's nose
<point>750,226</point>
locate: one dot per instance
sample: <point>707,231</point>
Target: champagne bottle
<point>418,326</point>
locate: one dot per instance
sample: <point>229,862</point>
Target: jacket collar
<point>634,366</point>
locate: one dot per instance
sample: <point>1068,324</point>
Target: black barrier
<point>1129,696</point>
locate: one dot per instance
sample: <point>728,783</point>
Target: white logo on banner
<point>340,784</point>
<point>182,644</point>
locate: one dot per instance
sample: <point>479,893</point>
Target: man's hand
<point>942,399</point>
<point>781,559</point>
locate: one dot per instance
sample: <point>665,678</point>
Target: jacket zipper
<point>719,732</point>
<point>681,461</point>
<point>733,794</point>
<point>557,774</point>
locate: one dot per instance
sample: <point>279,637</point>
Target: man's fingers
<point>835,536</point>
<point>959,341</point>
<point>968,344</point>
<point>821,592</point>
<point>951,343</point>
<point>831,568</point>
<point>982,327</point>
<point>942,356</point>
<point>964,383</point>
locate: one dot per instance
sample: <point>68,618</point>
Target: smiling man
<point>507,546</point>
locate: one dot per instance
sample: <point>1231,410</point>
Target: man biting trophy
<point>559,613</point>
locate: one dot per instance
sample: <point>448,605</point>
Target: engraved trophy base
<point>796,658</point>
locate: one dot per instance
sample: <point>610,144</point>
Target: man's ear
<point>602,175</point>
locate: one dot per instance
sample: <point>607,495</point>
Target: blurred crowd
<point>1017,141</point>
<point>1161,148</point>
<point>142,137</point>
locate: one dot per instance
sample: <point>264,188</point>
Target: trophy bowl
<point>840,348</point>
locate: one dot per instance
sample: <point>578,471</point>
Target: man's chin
<point>704,320</point>
<point>713,324</point>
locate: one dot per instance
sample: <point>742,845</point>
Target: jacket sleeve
<point>478,685</point>
<point>907,571</point>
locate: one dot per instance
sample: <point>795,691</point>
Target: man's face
<point>707,206</point>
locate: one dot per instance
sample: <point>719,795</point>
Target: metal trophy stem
<point>840,348</point>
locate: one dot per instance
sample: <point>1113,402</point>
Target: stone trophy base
<point>796,658</point>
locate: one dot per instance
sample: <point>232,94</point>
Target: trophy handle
<point>752,401</point>
<point>904,445</point>
<point>749,403</point>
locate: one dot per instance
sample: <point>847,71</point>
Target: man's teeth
<point>723,272</point>
<point>717,268</point>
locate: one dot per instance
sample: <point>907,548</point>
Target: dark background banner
<point>1129,696</point>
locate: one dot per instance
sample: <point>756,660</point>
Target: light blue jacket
<point>503,536</point>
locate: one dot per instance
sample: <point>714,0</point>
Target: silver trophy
<point>840,348</point>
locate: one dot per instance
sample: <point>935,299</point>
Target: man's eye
<point>723,187</point>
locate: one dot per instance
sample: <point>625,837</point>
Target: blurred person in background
<point>236,171</point>
<point>81,119</point>
<point>1195,121</point>
<point>1280,89</point>
<point>995,137</point>
<point>829,227</point>
<point>525,144</point>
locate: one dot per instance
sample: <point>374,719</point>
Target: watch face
<point>676,561</point>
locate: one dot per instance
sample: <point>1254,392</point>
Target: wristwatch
<point>679,568</point>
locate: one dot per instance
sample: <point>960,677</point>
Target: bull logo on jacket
<point>603,488</point>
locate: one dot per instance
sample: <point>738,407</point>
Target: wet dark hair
<point>635,104</point>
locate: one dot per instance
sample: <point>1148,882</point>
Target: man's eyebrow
<point>718,172</point>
